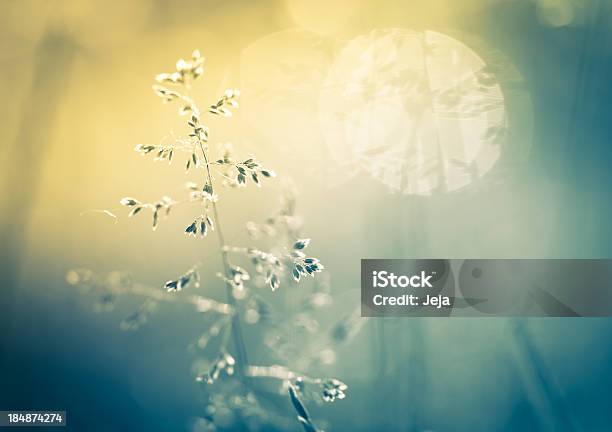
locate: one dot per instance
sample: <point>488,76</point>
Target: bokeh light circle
<point>418,111</point>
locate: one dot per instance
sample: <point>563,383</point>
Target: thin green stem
<point>241,354</point>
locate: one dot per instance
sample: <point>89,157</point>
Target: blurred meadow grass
<point>72,79</point>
